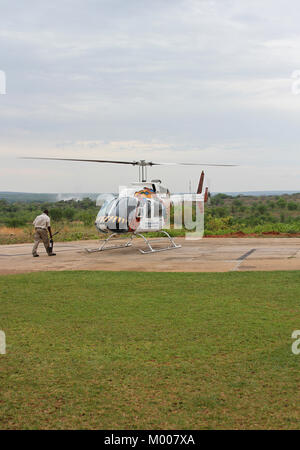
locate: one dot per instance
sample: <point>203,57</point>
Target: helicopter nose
<point>101,226</point>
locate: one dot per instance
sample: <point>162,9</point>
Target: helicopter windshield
<point>106,207</point>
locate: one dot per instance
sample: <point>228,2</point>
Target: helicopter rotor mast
<point>142,164</point>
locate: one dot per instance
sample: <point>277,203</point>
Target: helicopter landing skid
<point>111,247</point>
<point>171,246</point>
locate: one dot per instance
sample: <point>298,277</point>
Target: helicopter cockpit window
<point>106,207</point>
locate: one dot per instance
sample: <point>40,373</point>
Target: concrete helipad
<point>205,255</point>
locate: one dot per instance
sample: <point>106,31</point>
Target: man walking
<point>42,226</point>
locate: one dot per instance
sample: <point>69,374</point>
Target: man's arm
<point>49,228</point>
<point>50,232</point>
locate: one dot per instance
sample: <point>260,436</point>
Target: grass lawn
<point>107,350</point>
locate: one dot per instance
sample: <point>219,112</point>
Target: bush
<point>15,222</point>
<point>271,204</point>
<point>87,218</point>
<point>218,223</point>
<point>292,206</point>
<point>56,214</point>
<point>261,208</point>
<point>221,211</point>
<point>219,199</point>
<point>69,213</point>
<point>281,203</point>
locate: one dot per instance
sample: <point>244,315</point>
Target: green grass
<point>107,350</point>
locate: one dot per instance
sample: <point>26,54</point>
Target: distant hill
<point>258,193</point>
<point>48,197</point>
<point>35,197</point>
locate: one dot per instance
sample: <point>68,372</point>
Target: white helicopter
<point>140,208</point>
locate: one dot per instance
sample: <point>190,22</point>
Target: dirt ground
<point>204,255</point>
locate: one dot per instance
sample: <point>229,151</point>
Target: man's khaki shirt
<point>42,221</point>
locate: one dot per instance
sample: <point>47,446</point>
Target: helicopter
<point>140,208</point>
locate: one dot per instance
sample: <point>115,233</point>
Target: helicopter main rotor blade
<point>194,164</point>
<point>133,163</point>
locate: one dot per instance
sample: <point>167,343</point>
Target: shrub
<point>69,213</point>
<point>261,208</point>
<point>14,222</point>
<point>56,214</point>
<point>292,206</point>
<point>281,203</point>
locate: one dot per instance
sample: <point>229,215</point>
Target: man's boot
<point>50,253</point>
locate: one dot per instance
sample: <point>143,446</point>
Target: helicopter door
<point>139,211</point>
<point>151,215</point>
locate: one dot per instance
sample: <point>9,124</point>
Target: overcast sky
<point>164,80</point>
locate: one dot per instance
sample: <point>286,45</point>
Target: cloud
<point>180,80</point>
